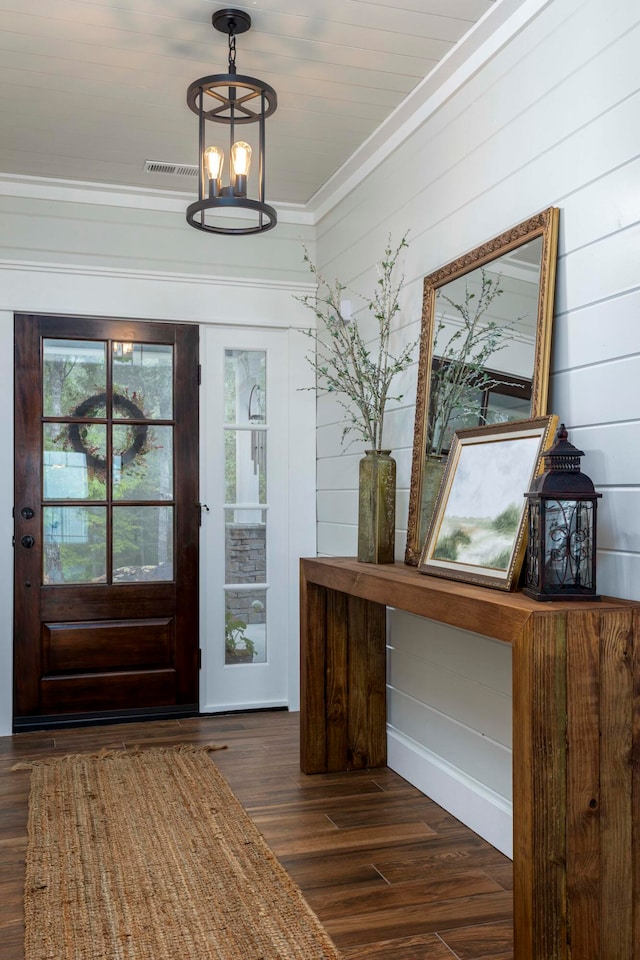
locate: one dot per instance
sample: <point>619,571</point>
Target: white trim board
<point>298,288</point>
<point>148,295</point>
<point>140,198</point>
<point>207,708</point>
<point>483,811</point>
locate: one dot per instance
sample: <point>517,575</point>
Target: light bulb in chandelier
<point>214,159</point>
<point>240,164</point>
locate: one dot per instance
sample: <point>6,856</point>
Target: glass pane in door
<point>245,475</point>
<point>142,462</point>
<point>245,466</point>
<point>245,626</point>
<point>73,461</point>
<point>245,398</point>
<point>74,378</point>
<point>142,381</point>
<point>245,546</point>
<point>75,544</point>
<point>142,544</point>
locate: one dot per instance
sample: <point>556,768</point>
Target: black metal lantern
<point>233,100</point>
<point>561,553</point>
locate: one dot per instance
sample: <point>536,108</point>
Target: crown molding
<point>296,287</point>
<point>483,41</point>
<point>115,195</point>
<point>85,290</point>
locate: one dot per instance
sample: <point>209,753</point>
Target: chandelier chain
<point>232,49</point>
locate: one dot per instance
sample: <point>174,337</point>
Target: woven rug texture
<point>148,855</point>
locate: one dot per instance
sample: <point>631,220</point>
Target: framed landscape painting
<point>478,530</point>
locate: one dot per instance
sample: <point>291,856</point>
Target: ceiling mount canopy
<point>229,20</point>
<point>233,100</point>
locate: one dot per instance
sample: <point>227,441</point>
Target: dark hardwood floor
<point>390,874</point>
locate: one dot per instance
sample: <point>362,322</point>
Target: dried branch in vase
<point>359,373</point>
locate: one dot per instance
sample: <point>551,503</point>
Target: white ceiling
<point>90,89</point>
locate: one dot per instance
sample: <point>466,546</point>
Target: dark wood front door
<point>106,520</point>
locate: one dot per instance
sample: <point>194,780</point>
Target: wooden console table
<point>576,735</point>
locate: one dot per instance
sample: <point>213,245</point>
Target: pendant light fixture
<point>231,100</point>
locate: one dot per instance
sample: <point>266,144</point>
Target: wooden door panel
<point>107,692</point>
<point>116,640</point>
<point>108,645</point>
<point>131,602</point>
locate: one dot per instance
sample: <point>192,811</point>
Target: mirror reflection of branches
<point>484,351</point>
<point>466,343</point>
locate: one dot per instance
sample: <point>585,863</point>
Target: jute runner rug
<point>148,855</point>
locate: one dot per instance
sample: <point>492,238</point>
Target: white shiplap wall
<point>550,120</point>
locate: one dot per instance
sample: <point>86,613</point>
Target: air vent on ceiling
<point>174,169</point>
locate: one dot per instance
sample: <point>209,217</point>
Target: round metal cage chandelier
<point>233,100</point>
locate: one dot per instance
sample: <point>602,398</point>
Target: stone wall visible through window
<point>246,562</point>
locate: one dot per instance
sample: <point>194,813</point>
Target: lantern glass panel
<point>569,544</point>
<point>533,547</point>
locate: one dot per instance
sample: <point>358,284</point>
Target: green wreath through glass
<point>87,408</point>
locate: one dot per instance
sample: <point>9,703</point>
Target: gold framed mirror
<point>485,350</point>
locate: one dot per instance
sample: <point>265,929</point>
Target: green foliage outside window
<point>72,376</point>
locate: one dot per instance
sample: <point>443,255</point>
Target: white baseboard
<point>242,707</point>
<point>479,808</point>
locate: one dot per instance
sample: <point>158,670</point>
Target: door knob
<point>27,513</point>
<point>28,541</point>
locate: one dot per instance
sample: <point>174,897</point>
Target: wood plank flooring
<point>390,874</point>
